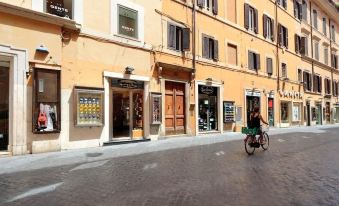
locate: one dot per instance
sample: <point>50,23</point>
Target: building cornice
<point>330,9</point>
<point>39,16</point>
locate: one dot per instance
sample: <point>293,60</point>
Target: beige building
<point>78,73</point>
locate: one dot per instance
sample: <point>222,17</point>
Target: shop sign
<point>127,84</point>
<point>57,8</point>
<point>207,90</point>
<point>252,93</point>
<point>291,94</point>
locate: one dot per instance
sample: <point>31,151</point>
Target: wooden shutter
<point>304,11</point>
<point>302,46</point>
<point>285,4</point>
<point>201,3</point>
<point>315,83</point>
<point>297,45</point>
<point>171,40</point>
<point>205,47</point>
<point>320,84</point>
<point>250,60</point>
<point>305,80</point>
<point>272,29</point>
<point>295,8</point>
<point>246,14</point>
<point>286,36</point>
<point>280,35</point>
<point>257,58</point>
<point>265,25</point>
<point>215,7</point>
<point>269,64</point>
<point>255,20</point>
<point>186,39</point>
<point>215,50</point>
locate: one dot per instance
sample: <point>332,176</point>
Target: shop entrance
<point>4,108</point>
<point>175,108</point>
<point>251,103</point>
<point>318,114</point>
<point>270,111</point>
<point>336,113</point>
<point>308,113</point>
<point>208,108</point>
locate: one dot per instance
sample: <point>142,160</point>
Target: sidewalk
<point>78,156</point>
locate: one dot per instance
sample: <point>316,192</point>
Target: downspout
<point>193,39</point>
<point>332,69</point>
<point>312,62</point>
<point>277,57</point>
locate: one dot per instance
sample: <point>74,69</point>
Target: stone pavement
<point>54,159</point>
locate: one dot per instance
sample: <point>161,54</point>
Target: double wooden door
<point>175,108</point>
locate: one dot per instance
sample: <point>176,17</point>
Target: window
<point>300,75</point>
<point>46,101</point>
<point>210,48</point>
<point>282,3</point>
<point>178,38</point>
<point>307,81</point>
<point>324,27</point>
<point>327,86</point>
<point>316,50</point>
<point>297,10</point>
<point>253,61</point>
<point>315,19</point>
<point>332,33</point>
<point>208,4</point>
<point>304,10</point>
<point>296,112</point>
<point>326,55</point>
<point>284,112</point>
<point>283,36</point>
<point>128,22</point>
<point>232,54</point>
<point>300,44</point>
<point>283,70</point>
<point>334,61</point>
<point>232,10</point>
<point>251,18</point>
<point>268,28</point>
<point>269,65</point>
<point>317,82</point>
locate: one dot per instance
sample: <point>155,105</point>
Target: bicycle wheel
<point>266,141</point>
<point>248,145</point>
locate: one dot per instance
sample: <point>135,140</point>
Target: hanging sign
<point>207,90</point>
<point>127,84</point>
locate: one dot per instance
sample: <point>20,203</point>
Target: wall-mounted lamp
<point>209,79</point>
<point>129,70</point>
<point>42,49</point>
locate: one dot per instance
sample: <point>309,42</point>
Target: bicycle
<point>252,142</point>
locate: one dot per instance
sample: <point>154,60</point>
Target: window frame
<point>115,20</point>
<point>36,103</point>
<point>315,19</point>
<point>283,36</point>
<point>283,65</point>
<point>271,59</point>
<point>256,61</point>
<point>212,53</point>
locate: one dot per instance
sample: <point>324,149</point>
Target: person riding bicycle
<point>255,119</point>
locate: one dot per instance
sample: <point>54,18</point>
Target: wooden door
<point>175,108</point>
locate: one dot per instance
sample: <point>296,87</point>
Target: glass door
<point>121,114</point>
<point>4,108</point>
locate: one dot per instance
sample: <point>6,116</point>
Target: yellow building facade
<point>78,74</point>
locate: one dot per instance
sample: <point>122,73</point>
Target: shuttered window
<point>253,61</point>
<point>334,61</point>
<point>232,54</point>
<point>332,33</point>
<point>210,48</point>
<point>335,88</point>
<point>283,36</point>
<point>326,55</point>
<point>300,75</point>
<point>297,9</point>
<point>269,65</point>
<point>268,27</point>
<point>231,10</point>
<point>327,86</point>
<point>307,81</point>
<point>315,19</point>
<point>251,18</point>
<point>304,10</point>
<point>178,38</point>
<point>300,44</point>
<point>282,3</point>
<point>316,50</point>
<point>208,4</point>
<point>283,70</point>
<point>324,27</point>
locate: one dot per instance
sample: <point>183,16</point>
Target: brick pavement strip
<point>299,171</point>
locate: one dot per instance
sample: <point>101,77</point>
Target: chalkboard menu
<point>89,106</point>
<point>229,112</point>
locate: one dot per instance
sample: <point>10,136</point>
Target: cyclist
<point>255,119</point>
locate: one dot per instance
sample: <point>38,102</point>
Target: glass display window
<point>208,108</point>
<point>128,22</point>
<point>88,106</point>
<point>229,112</point>
<point>156,108</point>
<point>46,101</point>
<point>285,116</point>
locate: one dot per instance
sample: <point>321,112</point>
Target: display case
<point>156,108</point>
<point>229,111</point>
<point>89,106</point>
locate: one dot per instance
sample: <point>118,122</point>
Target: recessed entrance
<point>127,113</point>
<point>4,106</point>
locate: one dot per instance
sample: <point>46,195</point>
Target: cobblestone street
<point>299,168</point>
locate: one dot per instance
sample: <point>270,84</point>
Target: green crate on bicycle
<point>249,131</point>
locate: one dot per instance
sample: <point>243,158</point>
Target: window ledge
<point>39,16</point>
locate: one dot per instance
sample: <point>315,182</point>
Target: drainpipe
<point>277,57</point>
<point>193,39</point>
<point>312,62</point>
<point>332,69</point>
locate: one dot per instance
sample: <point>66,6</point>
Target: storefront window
<point>270,108</point>
<point>62,8</point>
<point>137,111</point>
<point>328,112</point>
<point>296,112</point>
<point>336,116</point>
<point>46,101</point>
<point>128,22</point>
<point>208,108</point>
<point>284,112</point>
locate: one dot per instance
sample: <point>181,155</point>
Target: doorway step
<point>118,142</point>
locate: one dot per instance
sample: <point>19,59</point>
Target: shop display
<point>229,111</point>
<point>238,116</point>
<point>89,105</point>
<point>208,108</point>
<point>296,112</point>
<point>156,108</point>
<point>138,111</point>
